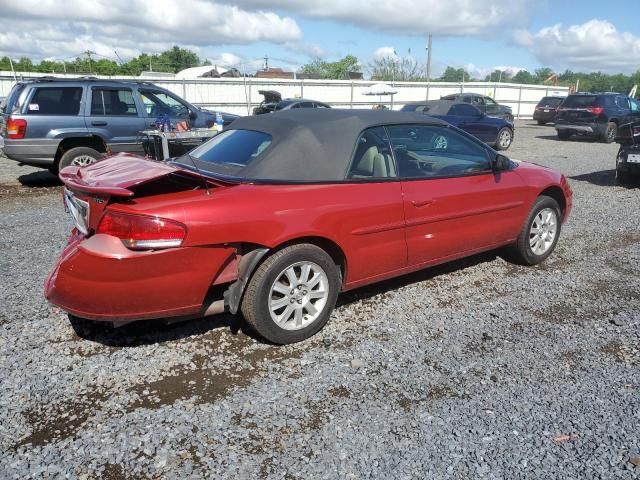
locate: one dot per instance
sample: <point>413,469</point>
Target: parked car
<point>628,158</point>
<point>483,103</point>
<point>546,109</point>
<point>273,102</point>
<point>595,115</point>
<point>491,130</point>
<point>53,122</point>
<point>278,214</point>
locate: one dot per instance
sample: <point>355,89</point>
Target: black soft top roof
<point>315,145</point>
<point>437,107</point>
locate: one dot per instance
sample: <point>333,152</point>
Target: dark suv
<point>594,114</point>
<point>53,122</point>
<point>546,109</point>
<point>486,105</point>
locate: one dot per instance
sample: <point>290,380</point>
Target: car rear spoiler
<point>115,177</point>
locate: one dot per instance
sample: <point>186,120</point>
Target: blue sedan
<point>494,131</point>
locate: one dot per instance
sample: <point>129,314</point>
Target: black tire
<point>255,301</point>
<point>522,251</point>
<point>610,132</point>
<point>72,156</point>
<point>504,131</point>
<point>623,178</point>
<point>563,135</point>
<point>541,122</point>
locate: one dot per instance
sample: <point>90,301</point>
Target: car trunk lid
<point>89,190</point>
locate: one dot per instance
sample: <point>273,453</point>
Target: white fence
<point>240,95</point>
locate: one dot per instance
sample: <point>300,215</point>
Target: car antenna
<point>204,180</point>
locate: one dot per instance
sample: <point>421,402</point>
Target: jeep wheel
<point>79,156</point>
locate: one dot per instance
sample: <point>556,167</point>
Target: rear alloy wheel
<point>505,137</point>
<point>610,132</point>
<point>79,157</point>
<point>539,235</point>
<point>292,294</point>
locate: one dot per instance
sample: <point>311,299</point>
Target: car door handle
<point>421,203</point>
<point>99,124</point>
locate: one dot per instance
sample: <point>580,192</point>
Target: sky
<point>479,35</point>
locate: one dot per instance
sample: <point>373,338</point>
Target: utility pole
<point>15,77</point>
<point>429,42</point>
<point>428,64</point>
<point>266,63</point>
<point>88,53</point>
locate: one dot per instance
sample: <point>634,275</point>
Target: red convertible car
<point>278,214</point>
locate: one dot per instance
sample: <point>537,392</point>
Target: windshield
<point>229,152</point>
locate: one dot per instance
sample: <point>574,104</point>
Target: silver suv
<point>53,122</point>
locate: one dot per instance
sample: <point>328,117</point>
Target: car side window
<point>464,110</point>
<point>635,105</point>
<point>477,101</point>
<point>158,103</point>
<point>372,158</point>
<point>489,101</point>
<point>113,102</point>
<point>622,102</point>
<point>55,101</point>
<point>431,151</point>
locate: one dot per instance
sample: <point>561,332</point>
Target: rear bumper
<point>39,153</point>
<point>544,116</point>
<point>623,165</point>
<point>579,128</point>
<point>100,279</point>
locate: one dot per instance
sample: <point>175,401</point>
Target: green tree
<point>178,59</point>
<point>405,69</point>
<point>498,76</point>
<point>455,75</point>
<point>331,70</point>
<point>523,77</point>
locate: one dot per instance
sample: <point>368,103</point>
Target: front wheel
<point>292,294</point>
<point>610,132</point>
<point>539,235</point>
<point>505,137</point>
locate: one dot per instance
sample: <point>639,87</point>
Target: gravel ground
<point>477,369</point>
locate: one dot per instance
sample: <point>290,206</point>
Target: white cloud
<point>593,45</point>
<point>411,17</point>
<point>50,28</point>
<point>384,52</point>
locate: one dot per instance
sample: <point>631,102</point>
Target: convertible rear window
<point>229,152</point>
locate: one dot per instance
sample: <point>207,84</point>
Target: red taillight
<point>140,232</point>
<point>16,128</point>
<point>595,110</point>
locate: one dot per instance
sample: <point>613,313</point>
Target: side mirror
<point>500,162</point>
<point>192,115</point>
